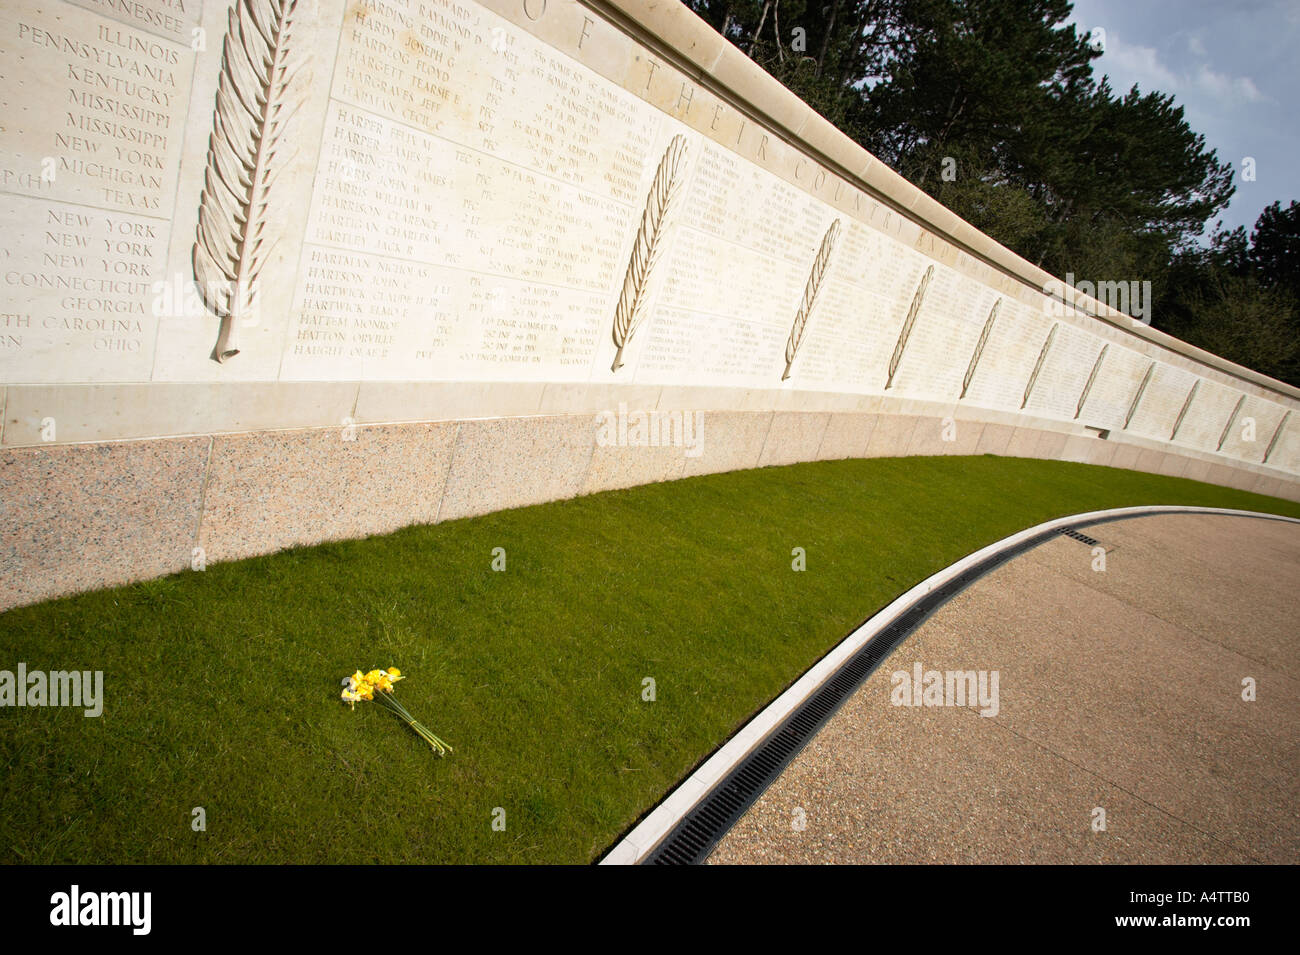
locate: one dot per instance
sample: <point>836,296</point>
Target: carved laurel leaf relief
<point>1038,365</point>
<point>1092,376</point>
<point>649,245</point>
<point>1232,418</point>
<point>1187,403</point>
<point>906,331</point>
<point>1277,433</point>
<point>1142,389</point>
<point>231,244</point>
<point>1137,395</point>
<point>979,348</point>
<point>810,290</point>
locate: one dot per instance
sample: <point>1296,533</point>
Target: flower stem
<point>423,731</point>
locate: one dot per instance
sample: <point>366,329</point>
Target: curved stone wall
<point>280,271</point>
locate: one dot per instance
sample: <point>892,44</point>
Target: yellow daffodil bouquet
<point>377,685</point>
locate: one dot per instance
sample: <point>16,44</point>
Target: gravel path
<point>1118,690</point>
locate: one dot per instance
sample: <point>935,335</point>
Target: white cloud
<point>1228,89</point>
<point>1130,63</point>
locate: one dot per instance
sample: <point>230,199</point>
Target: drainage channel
<point>684,829</point>
<point>700,830</point>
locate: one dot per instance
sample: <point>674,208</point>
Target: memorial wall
<point>280,271</point>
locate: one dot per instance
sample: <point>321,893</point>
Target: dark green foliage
<point>1237,298</point>
<point>1275,248</point>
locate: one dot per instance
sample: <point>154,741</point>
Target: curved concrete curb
<point>639,843</point>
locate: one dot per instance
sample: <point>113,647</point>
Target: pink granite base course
<point>733,441</point>
<point>891,436</point>
<point>794,436</point>
<point>926,437</point>
<point>614,467</point>
<point>515,462</point>
<point>1023,443</point>
<point>283,489</point>
<point>81,517</point>
<point>995,439</point>
<point>846,436</point>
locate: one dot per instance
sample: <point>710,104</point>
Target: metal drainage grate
<point>1082,538</point>
<point>695,836</point>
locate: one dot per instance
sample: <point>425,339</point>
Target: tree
<point>1226,297</point>
<point>1275,247</point>
<point>844,42</point>
<point>1241,320</point>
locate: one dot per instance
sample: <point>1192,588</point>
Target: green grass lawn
<point>221,687</point>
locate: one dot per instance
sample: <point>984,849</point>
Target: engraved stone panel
<point>1161,402</point>
<point>734,277</point>
<point>1009,355</point>
<point>1286,450</point>
<point>89,151</point>
<point>1065,371</point>
<point>1252,429</point>
<point>1112,392</point>
<point>868,290</point>
<point>934,361</point>
<point>490,246</point>
<point>1203,423</point>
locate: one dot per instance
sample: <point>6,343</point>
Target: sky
<point>1234,67</point>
